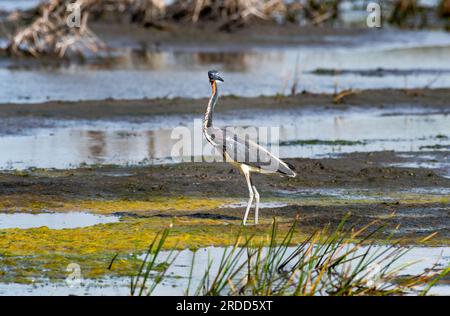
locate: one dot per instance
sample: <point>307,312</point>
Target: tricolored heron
<point>244,153</point>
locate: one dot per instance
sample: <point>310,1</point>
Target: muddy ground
<point>21,116</point>
<point>205,201</point>
<point>38,190</point>
<point>330,186</point>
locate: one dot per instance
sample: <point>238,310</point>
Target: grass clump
<point>339,262</point>
<point>436,146</point>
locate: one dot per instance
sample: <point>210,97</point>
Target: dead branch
<point>343,94</point>
<point>56,29</point>
<point>229,12</point>
<point>406,12</point>
<point>45,30</point>
<point>318,12</point>
<point>444,9</point>
<point>52,33</point>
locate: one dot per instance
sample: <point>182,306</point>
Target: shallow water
<point>422,257</point>
<point>10,5</point>
<point>388,59</point>
<point>361,194</point>
<point>334,193</point>
<point>262,205</point>
<point>248,71</point>
<point>71,144</point>
<point>428,161</point>
<point>176,283</point>
<point>53,220</point>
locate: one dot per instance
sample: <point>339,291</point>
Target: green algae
<point>28,254</point>
<point>111,249</point>
<point>30,202</point>
<point>441,136</point>
<point>35,203</point>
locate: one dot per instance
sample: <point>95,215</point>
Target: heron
<point>244,153</point>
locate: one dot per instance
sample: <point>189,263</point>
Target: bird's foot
<point>249,224</point>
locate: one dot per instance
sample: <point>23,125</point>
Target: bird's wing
<point>245,151</point>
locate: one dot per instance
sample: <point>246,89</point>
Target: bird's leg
<point>256,204</point>
<point>246,172</point>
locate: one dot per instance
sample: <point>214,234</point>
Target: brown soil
<point>431,99</point>
<point>356,170</point>
<point>220,180</point>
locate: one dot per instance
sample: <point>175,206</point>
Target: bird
<point>243,153</point>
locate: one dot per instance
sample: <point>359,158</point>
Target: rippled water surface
<point>385,58</point>
<point>53,220</point>
<point>301,134</point>
<point>388,59</point>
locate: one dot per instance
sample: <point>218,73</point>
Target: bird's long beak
<point>219,79</point>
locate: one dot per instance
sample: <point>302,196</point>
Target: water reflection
<point>232,61</point>
<point>96,145</point>
<point>302,134</point>
<point>177,280</point>
<point>151,72</point>
<point>53,220</point>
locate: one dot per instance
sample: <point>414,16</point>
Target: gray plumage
<point>248,155</point>
<point>246,151</point>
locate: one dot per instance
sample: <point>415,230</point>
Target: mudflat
<point>434,100</point>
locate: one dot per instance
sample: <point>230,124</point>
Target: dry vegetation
<point>444,8</point>
<point>405,12</point>
<point>50,33</point>
<point>45,30</point>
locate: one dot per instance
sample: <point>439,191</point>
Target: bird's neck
<point>211,105</point>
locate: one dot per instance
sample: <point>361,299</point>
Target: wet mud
<point>41,114</point>
<point>324,191</point>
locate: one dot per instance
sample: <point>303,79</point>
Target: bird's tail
<point>287,170</point>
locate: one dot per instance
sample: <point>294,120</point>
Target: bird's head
<point>213,75</point>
